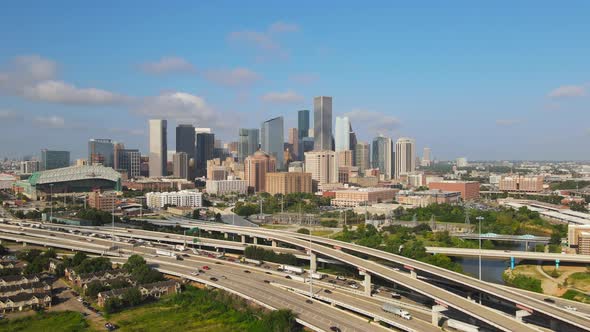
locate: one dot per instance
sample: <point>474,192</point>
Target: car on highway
<point>195,273</point>
<point>341,278</point>
<point>309,301</point>
<point>395,295</point>
<point>206,267</point>
<point>267,272</point>
<point>266,281</point>
<point>332,281</point>
<point>327,291</point>
<point>213,279</point>
<point>288,277</point>
<point>549,300</point>
<point>354,286</point>
<point>200,271</point>
<point>246,271</point>
<point>570,308</point>
<point>219,263</point>
<point>335,329</point>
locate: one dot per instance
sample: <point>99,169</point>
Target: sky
<point>498,80</point>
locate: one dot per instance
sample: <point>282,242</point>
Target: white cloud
<point>287,97</point>
<point>33,77</point>
<point>279,27</point>
<point>567,91</point>
<point>63,93</point>
<point>232,77</point>
<point>168,65</point>
<point>180,106</point>
<point>373,122</point>
<point>266,41</point>
<point>507,122</point>
<point>305,78</point>
<point>50,121</point>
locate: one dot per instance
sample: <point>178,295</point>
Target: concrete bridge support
<point>367,282</point>
<point>413,274</point>
<point>313,262</point>
<point>436,314</point>
<point>255,240</point>
<point>273,243</point>
<point>243,238</point>
<point>520,314</point>
<point>226,235</point>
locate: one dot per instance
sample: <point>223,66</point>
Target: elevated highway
<point>504,254</point>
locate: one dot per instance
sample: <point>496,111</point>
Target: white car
<point>570,308</point>
<point>341,278</point>
<point>194,273</point>
<point>354,286</point>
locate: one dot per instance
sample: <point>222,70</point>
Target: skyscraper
<point>405,156</point>
<point>322,123</point>
<point>342,135</point>
<point>247,143</point>
<point>51,159</point>
<point>158,149</point>
<point>180,165</point>
<point>382,156</point>
<point>205,148</point>
<point>255,168</point>
<point>101,151</point>
<point>128,160</point>
<point>303,123</point>
<point>426,157</point>
<point>362,156</point>
<point>294,142</point>
<point>272,139</point>
<point>322,165</point>
<point>185,142</point>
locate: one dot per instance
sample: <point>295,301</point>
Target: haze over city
<point>504,81</point>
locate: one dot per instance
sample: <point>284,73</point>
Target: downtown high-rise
<point>303,123</point>
<point>322,123</point>
<point>383,156</point>
<point>342,134</point>
<point>158,148</point>
<point>272,139</point>
<point>405,156</point>
<point>185,142</point>
<point>101,151</point>
<point>247,142</point>
<point>205,142</point>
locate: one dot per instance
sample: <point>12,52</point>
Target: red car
<point>206,267</point>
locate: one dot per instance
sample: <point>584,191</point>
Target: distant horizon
<point>493,81</point>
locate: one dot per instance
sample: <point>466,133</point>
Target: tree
<point>93,288</point>
<point>133,263</point>
<point>132,297</point>
<point>303,231</point>
<point>3,250</point>
<point>555,238</point>
<point>78,258</point>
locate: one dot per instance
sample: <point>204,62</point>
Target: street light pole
<point>310,271</point>
<point>480,218</point>
<point>51,203</point>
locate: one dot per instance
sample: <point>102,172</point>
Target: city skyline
<point>487,88</point>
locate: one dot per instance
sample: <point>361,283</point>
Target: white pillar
<point>436,310</point>
<point>274,243</point>
<point>413,274</point>
<point>520,314</point>
<point>313,262</point>
<point>243,238</point>
<point>255,240</point>
<point>367,284</point>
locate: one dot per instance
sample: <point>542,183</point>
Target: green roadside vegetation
<point>575,295</point>
<point>405,241</point>
<point>203,310</point>
<point>579,280</point>
<point>295,202</point>
<point>47,321</point>
<point>261,254</point>
<point>569,184</point>
<point>522,281</point>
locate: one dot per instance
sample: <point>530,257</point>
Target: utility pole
<point>51,203</point>
<point>479,218</point>
<point>310,272</point>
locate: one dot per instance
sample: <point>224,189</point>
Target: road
<point>504,254</point>
<point>253,286</point>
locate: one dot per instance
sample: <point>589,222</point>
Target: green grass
<point>576,296</point>
<point>322,233</point>
<point>275,226</point>
<point>55,321</point>
<point>580,280</point>
<point>200,310</point>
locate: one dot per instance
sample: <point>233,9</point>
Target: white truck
<point>317,276</point>
<point>180,247</point>
<point>460,326</point>
<point>292,269</point>
<point>388,307</point>
<point>251,261</point>
<point>298,278</point>
<point>166,253</point>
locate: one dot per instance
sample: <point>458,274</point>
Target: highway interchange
<point>281,292</point>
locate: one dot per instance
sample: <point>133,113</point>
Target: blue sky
<point>497,80</point>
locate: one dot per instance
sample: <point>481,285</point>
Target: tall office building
<point>405,156</point>
<point>158,149</point>
<point>383,156</point>
<point>247,143</point>
<point>185,142</point>
<point>352,145</point>
<point>306,145</point>
<point>342,135</point>
<point>362,157</point>
<point>322,165</point>
<point>51,159</point>
<point>205,150</point>
<point>322,123</point>
<point>128,160</point>
<point>425,162</point>
<point>272,139</point>
<point>180,165</point>
<point>294,142</point>
<point>29,166</point>
<point>255,168</point>
<point>101,151</point>
<point>303,123</point>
